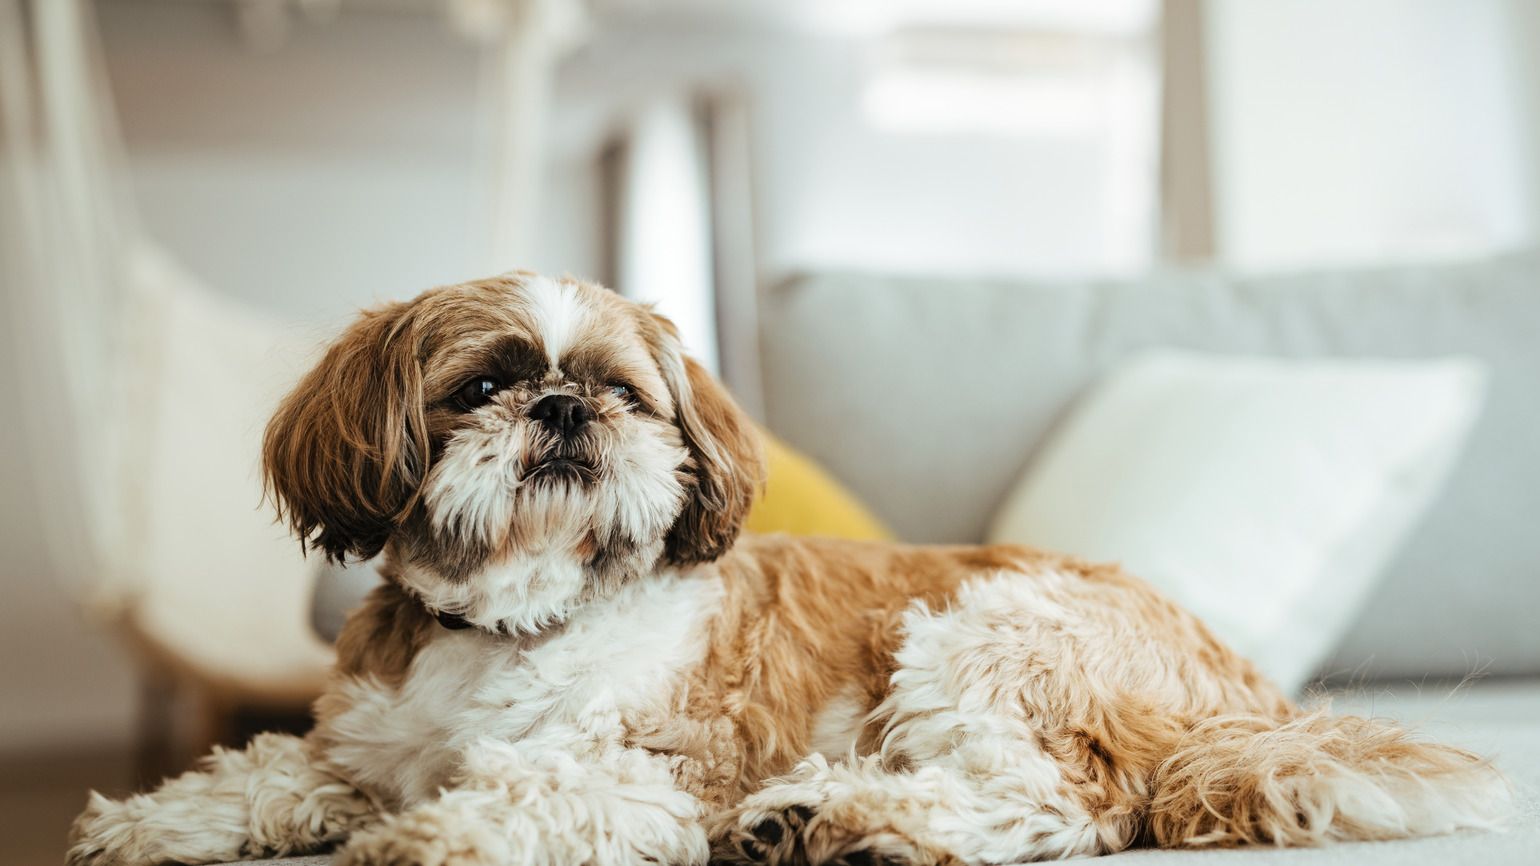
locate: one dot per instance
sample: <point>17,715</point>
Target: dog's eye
<point>622,392</point>
<point>477,392</point>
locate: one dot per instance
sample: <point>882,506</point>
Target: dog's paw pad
<point>769,831</point>
<point>752,851</point>
<point>867,857</point>
<point>800,815</point>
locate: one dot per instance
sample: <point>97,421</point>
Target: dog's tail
<point>1243,779</point>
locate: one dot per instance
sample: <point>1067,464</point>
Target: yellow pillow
<point>801,499</point>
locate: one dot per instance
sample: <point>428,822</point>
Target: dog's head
<point>519,444</point>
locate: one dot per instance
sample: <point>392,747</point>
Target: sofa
<point>927,397</point>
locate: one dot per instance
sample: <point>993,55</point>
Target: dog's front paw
<point>813,818</point>
<point>762,835</point>
<point>101,836</point>
<point>808,834</point>
<point>432,835</point>
<point>140,832</point>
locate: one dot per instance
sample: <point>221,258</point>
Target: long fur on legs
<point>1246,779</point>
<point>270,798</point>
<point>928,815</point>
<point>543,807</point>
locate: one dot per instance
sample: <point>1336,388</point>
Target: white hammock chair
<point>153,497</point>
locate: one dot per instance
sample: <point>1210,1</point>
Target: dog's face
<point>518,444</point>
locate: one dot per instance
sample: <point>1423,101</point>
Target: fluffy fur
<point>642,686</point>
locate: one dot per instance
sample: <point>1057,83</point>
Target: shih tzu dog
<point>576,659</point>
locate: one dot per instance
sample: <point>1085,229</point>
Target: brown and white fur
<point>642,685</point>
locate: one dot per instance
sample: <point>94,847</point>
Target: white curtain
<point>664,224</point>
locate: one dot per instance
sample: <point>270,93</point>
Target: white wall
<point>1369,130</point>
<point>344,167</point>
<point>1522,50</point>
<point>838,191</point>
<point>338,170</point>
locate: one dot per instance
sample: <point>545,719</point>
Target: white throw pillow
<point>1264,495</point>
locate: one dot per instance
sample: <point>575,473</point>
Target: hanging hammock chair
<point>153,499</point>
<point>154,506</point>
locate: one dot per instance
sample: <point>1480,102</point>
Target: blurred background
<point>844,203</point>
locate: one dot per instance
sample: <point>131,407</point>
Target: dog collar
<point>458,622</point>
<point>452,621</point>
<point>449,621</point>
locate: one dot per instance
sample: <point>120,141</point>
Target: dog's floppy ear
<point>726,464</point>
<point>346,452</point>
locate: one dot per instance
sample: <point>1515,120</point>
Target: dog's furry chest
<point>573,690</point>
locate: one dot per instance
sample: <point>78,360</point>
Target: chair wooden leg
<point>155,743</point>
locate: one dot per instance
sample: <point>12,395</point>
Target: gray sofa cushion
<point>929,396</point>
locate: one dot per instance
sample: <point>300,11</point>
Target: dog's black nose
<point>562,414</point>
